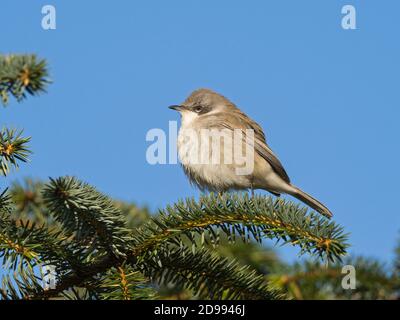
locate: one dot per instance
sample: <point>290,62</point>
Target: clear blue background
<point>327,98</point>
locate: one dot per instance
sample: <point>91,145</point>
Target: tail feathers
<point>310,201</point>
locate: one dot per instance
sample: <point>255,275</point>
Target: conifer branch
<point>25,243</point>
<point>207,274</point>
<point>22,74</point>
<point>5,202</point>
<point>13,148</point>
<point>313,280</point>
<point>28,203</point>
<point>93,241</point>
<point>125,283</point>
<point>240,215</point>
<point>85,275</point>
<point>25,246</point>
<point>87,214</point>
<point>21,284</point>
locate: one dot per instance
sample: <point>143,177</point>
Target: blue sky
<point>327,98</point>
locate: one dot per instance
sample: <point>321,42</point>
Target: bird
<point>207,110</point>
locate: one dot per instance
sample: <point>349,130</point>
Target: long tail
<point>313,203</point>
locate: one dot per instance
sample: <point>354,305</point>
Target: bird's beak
<point>177,107</point>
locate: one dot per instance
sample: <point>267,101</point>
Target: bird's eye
<point>197,109</point>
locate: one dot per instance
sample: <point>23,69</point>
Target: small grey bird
<point>206,109</point>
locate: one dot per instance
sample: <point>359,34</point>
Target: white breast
<point>187,118</point>
<point>191,151</point>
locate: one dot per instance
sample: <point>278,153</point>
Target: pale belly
<point>210,168</point>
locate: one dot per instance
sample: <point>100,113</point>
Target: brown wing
<point>264,151</point>
<point>238,120</point>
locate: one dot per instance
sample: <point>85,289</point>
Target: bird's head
<point>203,102</point>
